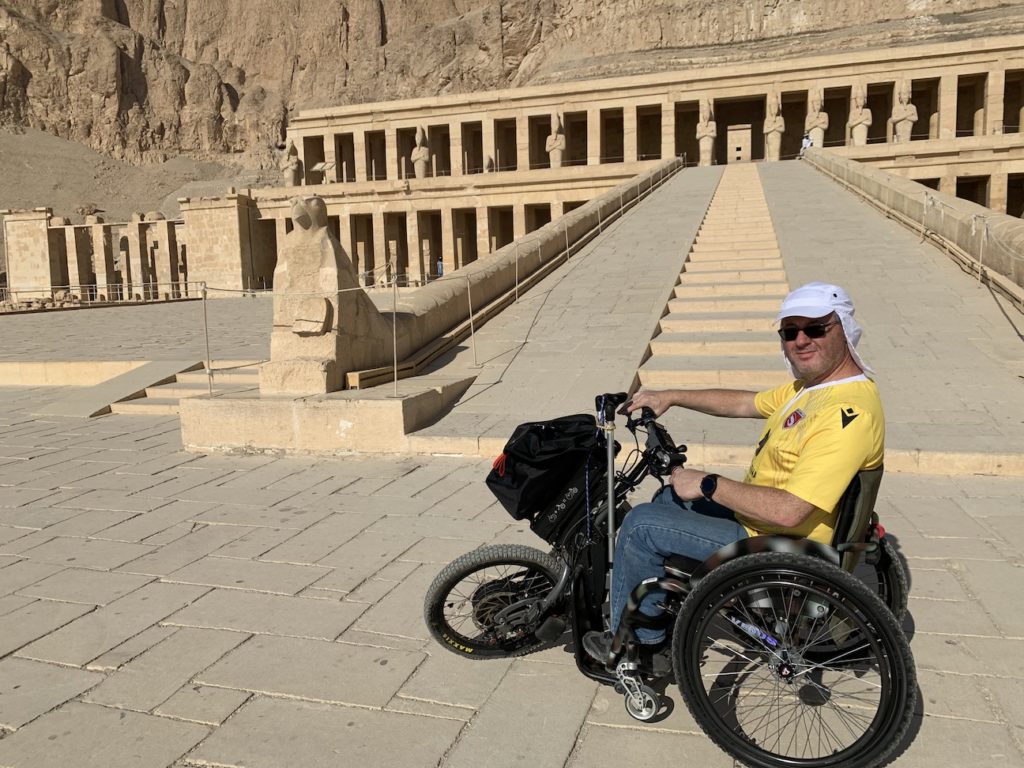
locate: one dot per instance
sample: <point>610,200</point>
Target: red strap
<point>880,531</point>
<point>499,465</point>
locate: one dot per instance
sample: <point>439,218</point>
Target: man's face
<point>815,359</point>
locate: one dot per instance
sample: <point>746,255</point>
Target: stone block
<point>254,575</point>
<point>201,704</point>
<point>88,736</point>
<point>315,670</point>
<point>92,635</point>
<point>320,734</point>
<point>36,620</point>
<point>552,724</point>
<point>78,585</point>
<point>269,614</point>
<point>29,689</point>
<point>369,421</point>
<point>153,677</point>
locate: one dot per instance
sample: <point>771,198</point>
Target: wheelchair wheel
<point>482,605</point>
<point>786,660</point>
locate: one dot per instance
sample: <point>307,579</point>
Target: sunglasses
<point>812,331</point>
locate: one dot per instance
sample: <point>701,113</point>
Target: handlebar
<point>661,455</point>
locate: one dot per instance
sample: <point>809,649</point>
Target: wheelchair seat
<point>856,512</point>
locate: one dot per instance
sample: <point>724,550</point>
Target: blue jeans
<point>651,532</point>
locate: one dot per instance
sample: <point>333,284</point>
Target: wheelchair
<point>782,655</point>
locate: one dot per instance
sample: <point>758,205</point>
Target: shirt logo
<point>793,418</point>
<point>848,415</point>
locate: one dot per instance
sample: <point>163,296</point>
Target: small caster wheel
<point>644,705</point>
<point>620,688</point>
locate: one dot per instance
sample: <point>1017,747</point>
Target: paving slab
<point>88,736</point>
<point>29,689</point>
<point>324,736</point>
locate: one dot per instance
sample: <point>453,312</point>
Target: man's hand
<point>686,483</point>
<point>657,401</point>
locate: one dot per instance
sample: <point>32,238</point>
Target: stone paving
<point>159,608</point>
<point>164,609</point>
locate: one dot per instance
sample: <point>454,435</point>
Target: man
<point>822,428</point>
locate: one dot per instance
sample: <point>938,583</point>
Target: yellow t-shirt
<point>814,442</point>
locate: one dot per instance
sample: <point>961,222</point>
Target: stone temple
<point>422,187</point>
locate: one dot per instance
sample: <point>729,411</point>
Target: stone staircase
<point>717,331</point>
<point>238,378</point>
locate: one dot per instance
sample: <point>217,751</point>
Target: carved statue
<point>321,328</point>
<point>555,145</point>
<point>774,126</point>
<point>707,131</point>
<point>289,164</point>
<point>420,155</point>
<point>904,115</point>
<point>817,121</point>
<point>860,118</point>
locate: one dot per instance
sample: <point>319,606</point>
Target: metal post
<point>206,333</point>
<point>394,329</point>
<point>472,326</point>
<point>609,436</point>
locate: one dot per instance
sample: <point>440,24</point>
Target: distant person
<point>805,143</point>
<point>440,267</point>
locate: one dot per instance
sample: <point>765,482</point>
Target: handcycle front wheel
<point>479,605</point>
<point>786,660</point>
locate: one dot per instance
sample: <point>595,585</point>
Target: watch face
<point>708,485</point>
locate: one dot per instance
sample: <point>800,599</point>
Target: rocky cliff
<point>146,79</point>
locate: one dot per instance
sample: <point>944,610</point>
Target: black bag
<point>544,471</point>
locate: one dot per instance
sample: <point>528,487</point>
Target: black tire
<point>463,600</point>
<point>837,687</point>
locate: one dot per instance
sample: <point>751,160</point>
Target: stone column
<point>380,251</point>
<point>518,221</point>
<point>629,134</point>
<point>997,187</point>
<point>668,130</point>
<point>994,93</point>
<point>360,158</point>
<point>300,149</point>
<point>483,232</point>
<point>947,107</point>
<point>79,265</point>
<point>947,185</point>
<point>522,146</point>
<point>455,142</point>
<point>166,257</point>
<point>488,143</point>
<point>391,154</point>
<point>593,137</point>
<point>102,257</point>
<point>331,156</point>
<point>135,276</point>
<point>447,241</point>
<point>417,268</point>
<point>557,209</point>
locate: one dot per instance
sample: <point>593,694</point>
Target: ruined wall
<point>142,79</point>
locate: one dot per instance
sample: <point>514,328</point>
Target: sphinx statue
<point>322,329</point>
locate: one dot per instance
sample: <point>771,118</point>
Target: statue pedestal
<point>351,421</point>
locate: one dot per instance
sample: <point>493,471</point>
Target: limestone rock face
<point>144,79</point>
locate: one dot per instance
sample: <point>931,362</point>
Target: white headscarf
<point>819,300</point>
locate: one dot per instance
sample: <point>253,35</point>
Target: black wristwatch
<point>708,486</point>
